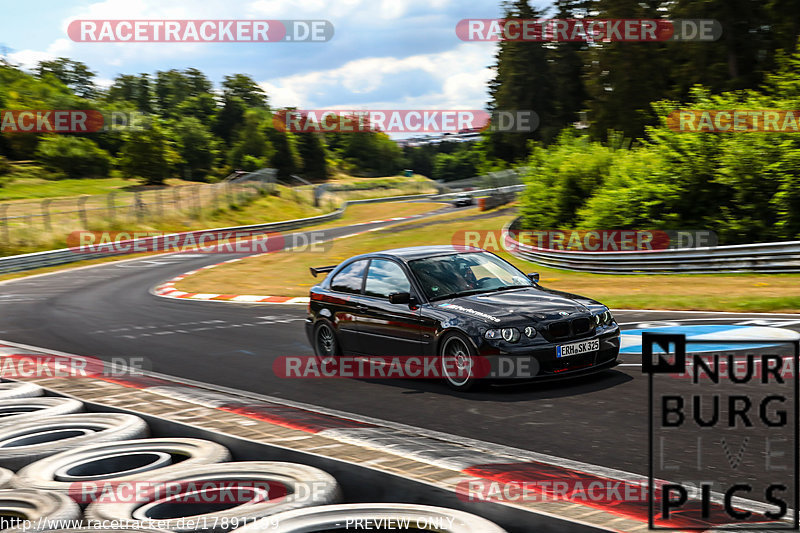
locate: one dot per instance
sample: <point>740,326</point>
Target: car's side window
<point>349,278</point>
<point>385,278</point>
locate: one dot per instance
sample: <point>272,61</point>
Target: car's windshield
<point>468,273</point>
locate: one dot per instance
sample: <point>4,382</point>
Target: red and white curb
<point>167,289</point>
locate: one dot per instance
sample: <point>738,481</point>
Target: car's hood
<point>519,304</point>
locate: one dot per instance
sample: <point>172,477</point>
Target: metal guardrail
<point>775,257</point>
<point>20,263</point>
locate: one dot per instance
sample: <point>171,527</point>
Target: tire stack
<point>63,468</point>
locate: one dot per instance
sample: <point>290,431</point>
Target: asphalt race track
<point>107,311</point>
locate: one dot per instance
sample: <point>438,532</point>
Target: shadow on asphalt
<point>522,392</point>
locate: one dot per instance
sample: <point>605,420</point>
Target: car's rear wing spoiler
<point>321,270</point>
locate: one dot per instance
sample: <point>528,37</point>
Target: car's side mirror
<point>534,277</point>
<point>400,298</point>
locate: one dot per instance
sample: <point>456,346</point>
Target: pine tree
<point>623,78</point>
<point>522,82</point>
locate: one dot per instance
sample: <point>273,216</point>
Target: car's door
<point>385,328</point>
<point>347,285</point>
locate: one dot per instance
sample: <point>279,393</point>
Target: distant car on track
<point>462,200</point>
<point>456,303</point>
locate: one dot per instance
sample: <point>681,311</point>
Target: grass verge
<point>286,274</point>
<point>353,215</point>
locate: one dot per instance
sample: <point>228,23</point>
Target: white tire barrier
<point>123,460</point>
<point>24,409</point>
<point>375,516</point>
<point>6,477</point>
<point>201,500</point>
<point>22,510</point>
<point>26,442</point>
<point>19,389</point>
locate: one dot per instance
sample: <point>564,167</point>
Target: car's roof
<point>420,252</point>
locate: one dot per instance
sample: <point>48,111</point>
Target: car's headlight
<point>603,319</point>
<point>507,334</point>
<point>530,331</point>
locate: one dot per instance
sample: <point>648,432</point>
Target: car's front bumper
<point>541,362</point>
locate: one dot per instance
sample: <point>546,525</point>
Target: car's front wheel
<point>325,342</point>
<point>457,359</point>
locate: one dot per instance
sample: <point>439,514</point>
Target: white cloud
<point>461,73</point>
<point>28,59</point>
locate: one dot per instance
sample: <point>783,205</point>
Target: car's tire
<point>6,477</point>
<point>455,350</point>
<point>326,344</point>
<point>334,518</point>
<point>123,460</point>
<point>19,389</point>
<point>26,442</point>
<point>33,505</point>
<point>23,409</point>
<point>310,486</point>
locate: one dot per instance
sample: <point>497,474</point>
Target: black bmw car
<point>458,304</point>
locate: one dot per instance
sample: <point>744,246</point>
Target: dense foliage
<point>623,167</point>
<point>184,128</point>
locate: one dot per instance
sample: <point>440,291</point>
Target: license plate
<point>577,348</point>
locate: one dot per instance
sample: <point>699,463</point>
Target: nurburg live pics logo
<point>722,444</point>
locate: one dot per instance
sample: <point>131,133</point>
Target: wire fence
<point>26,223</point>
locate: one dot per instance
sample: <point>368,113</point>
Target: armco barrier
<point>776,257</point>
<point>19,263</point>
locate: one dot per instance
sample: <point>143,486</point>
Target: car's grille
<point>559,330</point>
<point>581,326</point>
<point>568,329</point>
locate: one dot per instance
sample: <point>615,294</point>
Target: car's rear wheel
<point>457,358</point>
<point>325,342</point>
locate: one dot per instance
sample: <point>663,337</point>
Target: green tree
<point>285,158</point>
<point>622,79</point>
<point>252,149</point>
<point>134,89</point>
<point>522,82</point>
<point>76,157</point>
<point>148,154</point>
<point>203,107</point>
<point>74,74</point>
<point>311,148</point>
<point>229,119</point>
<point>196,146</point>
<point>173,87</point>
<point>566,68</point>
<point>242,86</point>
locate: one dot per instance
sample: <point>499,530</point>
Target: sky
<point>385,54</point>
